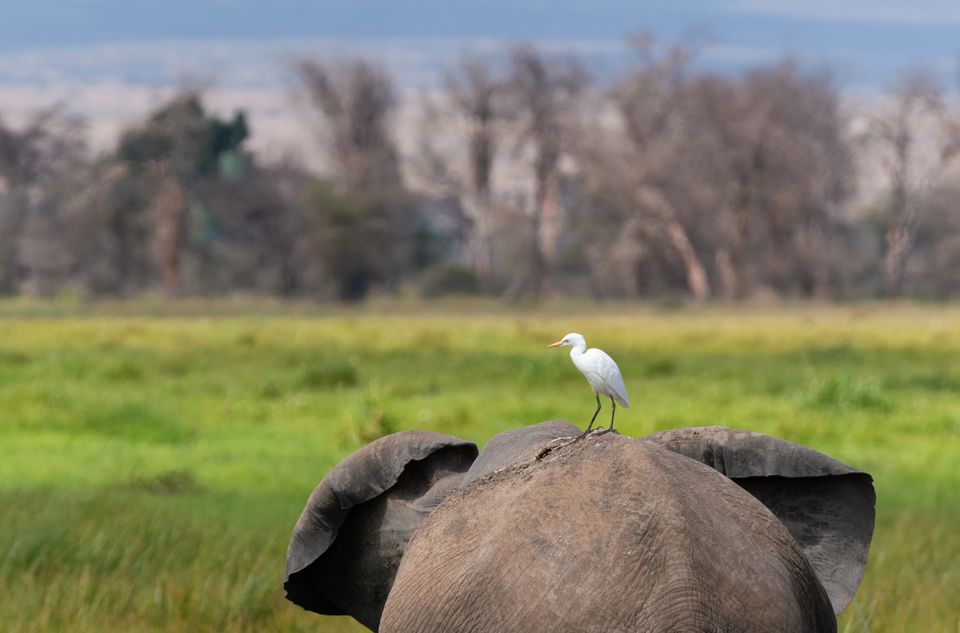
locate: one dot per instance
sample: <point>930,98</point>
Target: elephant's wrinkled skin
<point>704,529</point>
<point>607,534</point>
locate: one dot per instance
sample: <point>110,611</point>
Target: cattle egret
<point>600,371</point>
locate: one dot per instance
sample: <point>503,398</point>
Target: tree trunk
<point>537,264</point>
<point>168,209</point>
<point>11,234</point>
<point>727,274</point>
<point>550,212</point>
<point>899,238</point>
<point>537,258</point>
<point>697,281</point>
<point>818,261</point>
<point>10,261</point>
<point>894,261</point>
<point>477,244</point>
<point>652,202</point>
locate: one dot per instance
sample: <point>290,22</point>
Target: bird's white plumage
<point>598,368</point>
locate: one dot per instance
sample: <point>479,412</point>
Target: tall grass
<point>153,466</point>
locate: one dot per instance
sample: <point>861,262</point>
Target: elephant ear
<point>514,446</point>
<point>346,546</point>
<point>827,506</point>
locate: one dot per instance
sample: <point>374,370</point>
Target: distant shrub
<point>846,392</point>
<point>375,425</point>
<point>448,279</point>
<point>175,364</point>
<point>655,367</point>
<point>13,357</point>
<point>369,418</point>
<point>270,389</point>
<point>833,352</point>
<point>134,421</point>
<point>247,339</point>
<point>327,375</point>
<point>169,482</point>
<point>936,381</point>
<point>124,371</point>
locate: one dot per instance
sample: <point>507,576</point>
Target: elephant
<point>697,529</point>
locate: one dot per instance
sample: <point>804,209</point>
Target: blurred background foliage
<point>518,175</point>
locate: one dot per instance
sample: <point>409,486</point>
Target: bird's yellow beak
<point>557,344</point>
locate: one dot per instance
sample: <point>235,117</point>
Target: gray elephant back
<point>826,505</point>
<point>604,534</point>
<point>348,542</point>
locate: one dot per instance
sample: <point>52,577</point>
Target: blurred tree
<point>171,156</point>
<point>253,234</point>
<point>32,157</point>
<point>735,181</point>
<point>649,103</point>
<point>543,94</point>
<point>792,170</point>
<point>356,102</point>
<point>476,95</point>
<point>75,240</point>
<point>918,114</point>
<point>363,224</point>
<point>183,134</point>
<point>933,269</point>
<point>680,182</point>
<point>458,133</point>
<point>361,239</point>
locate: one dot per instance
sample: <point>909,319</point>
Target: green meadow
<point>153,462</point>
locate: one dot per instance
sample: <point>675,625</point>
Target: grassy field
<point>152,466</point>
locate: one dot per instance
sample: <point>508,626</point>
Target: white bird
<point>601,372</point>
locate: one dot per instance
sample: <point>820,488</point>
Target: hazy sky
<point>112,60</point>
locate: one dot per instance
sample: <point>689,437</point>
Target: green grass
<point>152,466</point>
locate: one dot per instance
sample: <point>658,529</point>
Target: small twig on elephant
<point>554,444</point>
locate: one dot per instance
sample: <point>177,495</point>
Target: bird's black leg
<point>590,426</point>
<point>613,412</point>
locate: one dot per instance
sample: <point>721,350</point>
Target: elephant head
<point>347,544</point>
<point>417,533</point>
<point>517,446</point>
